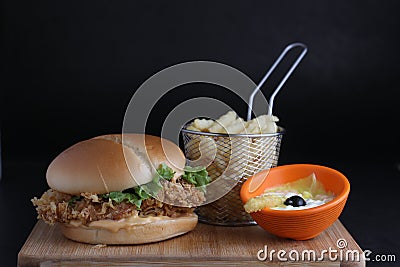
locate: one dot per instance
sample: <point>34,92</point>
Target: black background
<point>69,70</point>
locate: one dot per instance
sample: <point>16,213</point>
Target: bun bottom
<point>137,234</point>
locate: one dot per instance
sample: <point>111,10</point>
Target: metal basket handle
<point>292,68</point>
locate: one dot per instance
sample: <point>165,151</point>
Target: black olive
<point>295,201</point>
<point>288,202</point>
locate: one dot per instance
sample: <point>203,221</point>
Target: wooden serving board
<point>206,245</point>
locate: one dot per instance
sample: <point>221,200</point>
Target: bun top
<point>112,163</point>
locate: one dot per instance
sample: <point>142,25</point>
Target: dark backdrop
<point>69,70</point>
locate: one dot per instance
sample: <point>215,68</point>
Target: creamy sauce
<point>126,223</point>
<point>310,202</point>
<point>309,189</point>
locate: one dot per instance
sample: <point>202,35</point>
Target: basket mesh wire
<point>232,155</point>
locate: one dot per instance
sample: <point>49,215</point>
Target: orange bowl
<point>297,224</point>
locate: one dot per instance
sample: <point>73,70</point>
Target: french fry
<point>231,124</point>
<point>236,127</point>
<point>224,151</point>
<point>222,123</point>
<point>216,128</point>
<point>191,127</point>
<point>227,119</point>
<point>203,124</point>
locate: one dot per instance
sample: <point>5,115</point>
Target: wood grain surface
<point>206,245</point>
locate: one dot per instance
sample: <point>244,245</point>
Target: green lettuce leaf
<point>141,192</point>
<point>74,199</point>
<point>137,194</point>
<point>165,172</point>
<point>197,176</point>
<point>118,197</point>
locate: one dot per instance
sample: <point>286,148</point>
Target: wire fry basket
<point>252,155</point>
<point>236,154</point>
